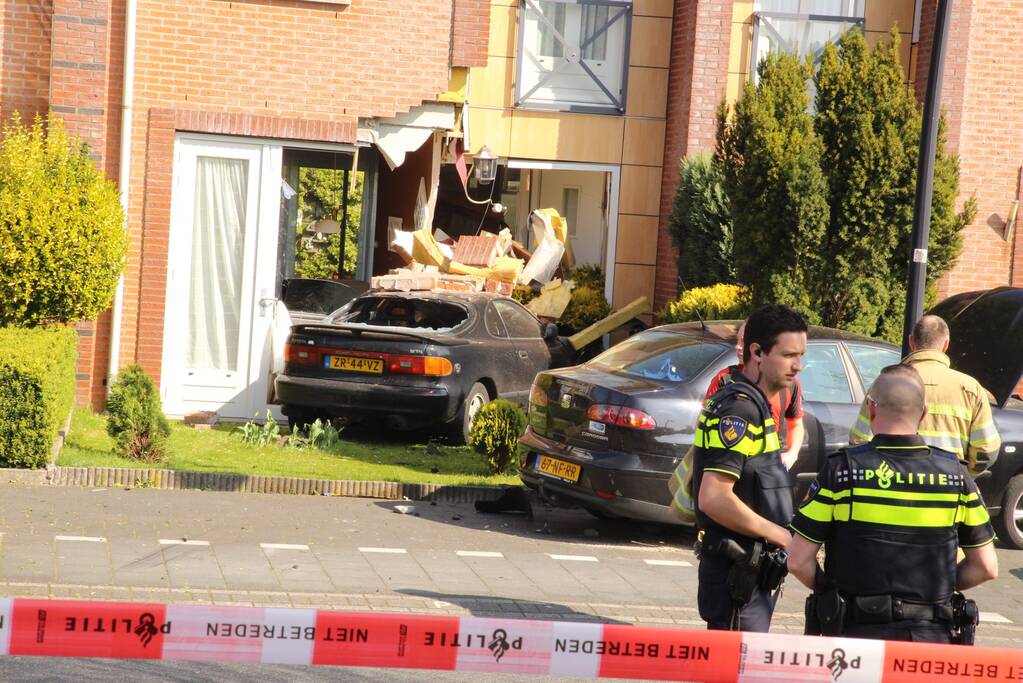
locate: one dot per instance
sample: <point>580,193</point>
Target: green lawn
<point>361,455</point>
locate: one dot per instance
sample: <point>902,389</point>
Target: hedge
<point>717,302</point>
<point>37,386</point>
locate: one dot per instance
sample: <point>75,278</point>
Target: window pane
<point>493,322</point>
<point>520,323</point>
<point>594,18</point>
<point>870,360</point>
<point>823,377</point>
<point>835,8</point>
<point>657,354</point>
<point>553,12</point>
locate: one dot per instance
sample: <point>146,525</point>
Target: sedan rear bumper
<point>365,398</point>
<point>626,493</point>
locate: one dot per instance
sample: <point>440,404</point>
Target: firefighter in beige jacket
<point>958,415</point>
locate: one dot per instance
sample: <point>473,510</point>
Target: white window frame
<point>572,48</point>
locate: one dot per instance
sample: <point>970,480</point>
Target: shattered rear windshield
<point>415,313</point>
<point>661,355</point>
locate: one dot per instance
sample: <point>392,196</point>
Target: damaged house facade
<point>254,139</point>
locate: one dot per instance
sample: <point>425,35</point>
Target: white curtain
<point>218,255</point>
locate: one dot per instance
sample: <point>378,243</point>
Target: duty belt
<point>885,609</point>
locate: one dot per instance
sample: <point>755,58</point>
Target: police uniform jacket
<point>891,514</point>
<point>736,436</point>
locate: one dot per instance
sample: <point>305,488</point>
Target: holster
<point>744,575</point>
<point>825,609</point>
<point>965,617</point>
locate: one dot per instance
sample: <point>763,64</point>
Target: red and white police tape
<point>68,628</point>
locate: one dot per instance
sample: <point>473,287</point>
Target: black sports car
<point>412,359</point>
<point>607,434</point>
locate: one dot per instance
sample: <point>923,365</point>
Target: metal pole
<point>925,174</point>
<point>344,228</point>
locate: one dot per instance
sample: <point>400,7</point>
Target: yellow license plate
<point>355,364</point>
<point>558,468</point>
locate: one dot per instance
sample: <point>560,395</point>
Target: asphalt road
<point>356,554</point>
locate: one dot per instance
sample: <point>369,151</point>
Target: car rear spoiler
<point>360,330</point>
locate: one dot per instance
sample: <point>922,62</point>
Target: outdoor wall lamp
<point>485,165</point>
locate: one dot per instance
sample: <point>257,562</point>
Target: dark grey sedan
<point>607,434</point>
<point>414,359</point>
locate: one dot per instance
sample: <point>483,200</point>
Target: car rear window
<point>662,355</point>
<point>411,312</point>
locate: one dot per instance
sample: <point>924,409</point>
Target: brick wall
<point>984,110</point>
<point>297,70</point>
<point>470,32</point>
<point>25,56</point>
<point>697,81</point>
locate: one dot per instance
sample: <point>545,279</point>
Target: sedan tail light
<point>537,396</point>
<point>620,416</point>
<point>300,354</point>
<point>419,365</point>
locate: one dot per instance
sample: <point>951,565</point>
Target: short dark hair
<point>767,322</point>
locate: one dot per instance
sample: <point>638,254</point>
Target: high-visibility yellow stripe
<point>983,434</point>
<point>880,513</point>
<point>976,516</point>
<point>817,510</point>
<point>950,410</point>
<point>968,497</point>
<point>753,429</point>
<point>728,472</point>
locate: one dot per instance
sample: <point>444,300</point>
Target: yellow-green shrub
<point>495,433</point>
<point>37,386</point>
<point>62,241</point>
<point>717,302</point>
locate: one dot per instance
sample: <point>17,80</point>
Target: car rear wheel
<point>1010,520</point>
<point>477,397</point>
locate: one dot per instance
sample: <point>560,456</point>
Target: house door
<point>221,277</point>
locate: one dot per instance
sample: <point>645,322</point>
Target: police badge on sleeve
<point>732,429</point>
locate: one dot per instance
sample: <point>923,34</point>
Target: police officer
<point>890,515</point>
<point>743,492</point>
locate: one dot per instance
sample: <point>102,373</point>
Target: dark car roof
<point>986,329</point>
<point>725,331</point>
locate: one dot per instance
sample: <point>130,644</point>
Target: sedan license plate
<point>355,364</point>
<point>559,469</point>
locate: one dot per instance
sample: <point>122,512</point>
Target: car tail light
<point>300,354</point>
<point>537,396</point>
<point>620,416</point>
<point>419,365</point>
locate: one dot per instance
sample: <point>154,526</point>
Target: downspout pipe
<point>123,177</point>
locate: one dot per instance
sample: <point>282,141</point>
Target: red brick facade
<point>984,110</point>
<point>25,52</point>
<point>288,70</point>
<point>696,84</point>
<point>470,32</point>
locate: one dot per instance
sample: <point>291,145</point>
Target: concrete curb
<point>242,483</point>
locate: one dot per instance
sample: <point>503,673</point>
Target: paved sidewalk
<point>356,554</point>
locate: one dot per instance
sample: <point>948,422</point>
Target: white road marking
<point>993,618</point>
<point>477,553</point>
<point>393,551</point>
<point>87,539</point>
<point>669,563</point>
<point>178,541</point>
<point>573,558</point>
<point>284,546</point>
